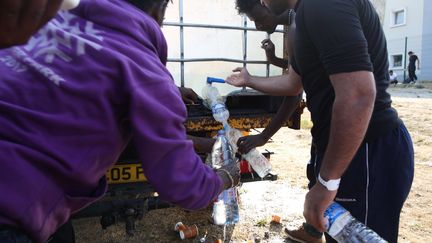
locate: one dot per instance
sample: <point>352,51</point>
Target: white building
<point>407,25</point>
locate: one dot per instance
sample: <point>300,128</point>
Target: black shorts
<point>377,182</point>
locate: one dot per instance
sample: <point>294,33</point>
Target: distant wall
<point>426,57</point>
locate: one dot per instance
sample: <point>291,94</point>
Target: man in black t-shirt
<point>413,58</point>
<point>340,60</point>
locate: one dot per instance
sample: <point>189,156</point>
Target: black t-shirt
<point>337,36</point>
<point>412,60</point>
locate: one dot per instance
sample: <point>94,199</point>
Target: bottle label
<point>334,211</point>
<point>218,107</point>
<point>337,218</point>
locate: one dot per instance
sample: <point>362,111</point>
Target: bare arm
<point>202,144</point>
<point>352,109</point>
<point>269,48</point>
<point>21,19</point>
<point>287,108</point>
<point>279,62</point>
<point>285,85</point>
<point>289,105</point>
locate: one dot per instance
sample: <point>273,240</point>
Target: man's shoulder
<point>318,8</point>
<point>331,3</point>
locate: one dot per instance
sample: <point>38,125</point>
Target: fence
<point>214,48</point>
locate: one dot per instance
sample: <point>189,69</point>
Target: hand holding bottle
<point>247,143</point>
<point>230,175</point>
<point>317,201</point>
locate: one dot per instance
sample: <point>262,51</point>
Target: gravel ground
<point>284,197</point>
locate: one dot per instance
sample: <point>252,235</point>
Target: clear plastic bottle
<point>344,228</point>
<point>259,163</point>
<point>222,153</point>
<point>219,213</point>
<point>227,200</point>
<point>214,101</point>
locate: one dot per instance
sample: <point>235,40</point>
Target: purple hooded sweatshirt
<point>71,99</point>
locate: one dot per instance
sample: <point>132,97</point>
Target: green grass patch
<point>261,223</point>
<point>306,124</point>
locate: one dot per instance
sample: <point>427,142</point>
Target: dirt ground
<point>284,197</point>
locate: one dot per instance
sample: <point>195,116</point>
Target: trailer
<point>130,196</point>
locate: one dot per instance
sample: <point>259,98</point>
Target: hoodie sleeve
<point>157,114</point>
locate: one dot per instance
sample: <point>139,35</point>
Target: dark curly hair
<point>245,6</point>
<point>146,5</point>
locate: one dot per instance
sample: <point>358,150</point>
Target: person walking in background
<point>393,77</point>
<point>413,58</point>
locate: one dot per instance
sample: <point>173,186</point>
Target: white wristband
<point>331,185</point>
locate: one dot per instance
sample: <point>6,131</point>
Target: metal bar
<point>405,58</point>
<point>244,40</point>
<point>215,60</point>
<point>182,74</point>
<point>244,43</point>
<point>209,26</point>
<point>268,64</point>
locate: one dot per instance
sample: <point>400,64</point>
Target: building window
<point>399,17</point>
<point>397,60</point>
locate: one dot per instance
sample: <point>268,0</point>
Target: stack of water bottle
<point>225,209</point>
<point>215,102</point>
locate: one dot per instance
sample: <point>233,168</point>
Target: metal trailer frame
<point>182,60</point>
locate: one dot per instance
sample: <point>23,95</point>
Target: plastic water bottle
<point>219,213</point>
<point>222,153</point>
<point>227,201</point>
<point>259,163</point>
<point>214,101</point>
<point>257,160</point>
<point>343,227</point>
<point>229,198</point>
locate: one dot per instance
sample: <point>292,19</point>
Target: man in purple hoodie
<point>72,98</point>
